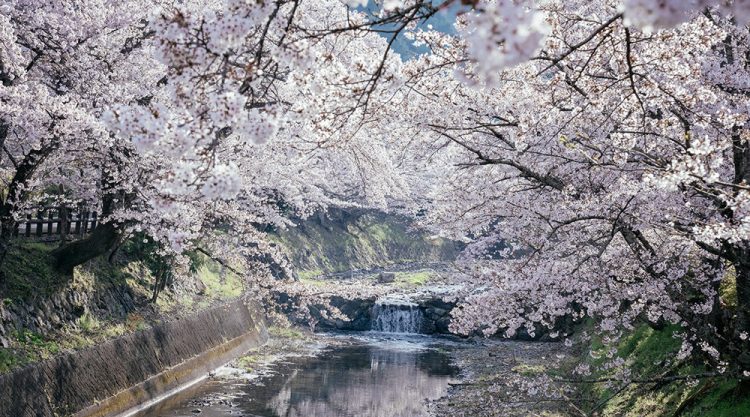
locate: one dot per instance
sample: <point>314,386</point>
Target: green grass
<point>723,399</point>
<point>28,271</point>
<point>248,362</point>
<point>9,360</point>
<point>285,333</point>
<point>220,282</point>
<point>29,274</point>
<point>728,288</point>
<point>529,370</point>
<point>31,339</point>
<point>649,350</point>
<point>313,282</point>
<point>27,347</point>
<point>412,279</point>
<point>649,353</point>
<point>88,323</point>
<point>309,274</point>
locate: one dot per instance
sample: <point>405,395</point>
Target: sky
<point>442,21</point>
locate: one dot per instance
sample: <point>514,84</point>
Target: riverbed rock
<point>358,312</point>
<point>435,313</point>
<point>200,287</point>
<point>442,325</point>
<point>386,277</point>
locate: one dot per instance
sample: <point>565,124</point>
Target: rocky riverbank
<point>507,378</point>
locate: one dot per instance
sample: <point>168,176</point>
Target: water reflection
<point>363,381</point>
<point>353,381</point>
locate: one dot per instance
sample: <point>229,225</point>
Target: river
<point>371,375</point>
<point>389,372</point>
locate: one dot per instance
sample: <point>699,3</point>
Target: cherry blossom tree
<point>61,65</point>
<point>177,119</point>
<point>606,143</point>
<point>258,107</point>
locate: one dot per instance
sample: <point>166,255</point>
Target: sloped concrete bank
<point>113,377</point>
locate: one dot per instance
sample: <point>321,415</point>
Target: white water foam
<point>397,318</point>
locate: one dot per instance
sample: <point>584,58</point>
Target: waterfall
<point>396,318</point>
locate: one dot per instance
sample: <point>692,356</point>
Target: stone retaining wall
<point>64,308</point>
<point>112,377</point>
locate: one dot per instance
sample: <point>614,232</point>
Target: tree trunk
<point>7,226</point>
<point>63,213</point>
<point>101,240</point>
<point>16,193</point>
<point>107,234</point>
<point>104,237</point>
<point>159,283</point>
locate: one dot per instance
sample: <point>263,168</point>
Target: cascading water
<point>396,318</point>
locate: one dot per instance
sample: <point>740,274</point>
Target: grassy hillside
<point>343,240</point>
<point>29,274</point>
<point>651,356</point>
<point>32,283</point>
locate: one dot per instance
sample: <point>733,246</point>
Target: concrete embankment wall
<point>107,379</point>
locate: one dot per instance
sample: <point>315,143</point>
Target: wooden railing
<point>58,221</point>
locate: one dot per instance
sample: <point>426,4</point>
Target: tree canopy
<point>604,142</point>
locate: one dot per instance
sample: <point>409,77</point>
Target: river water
<point>373,375</point>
